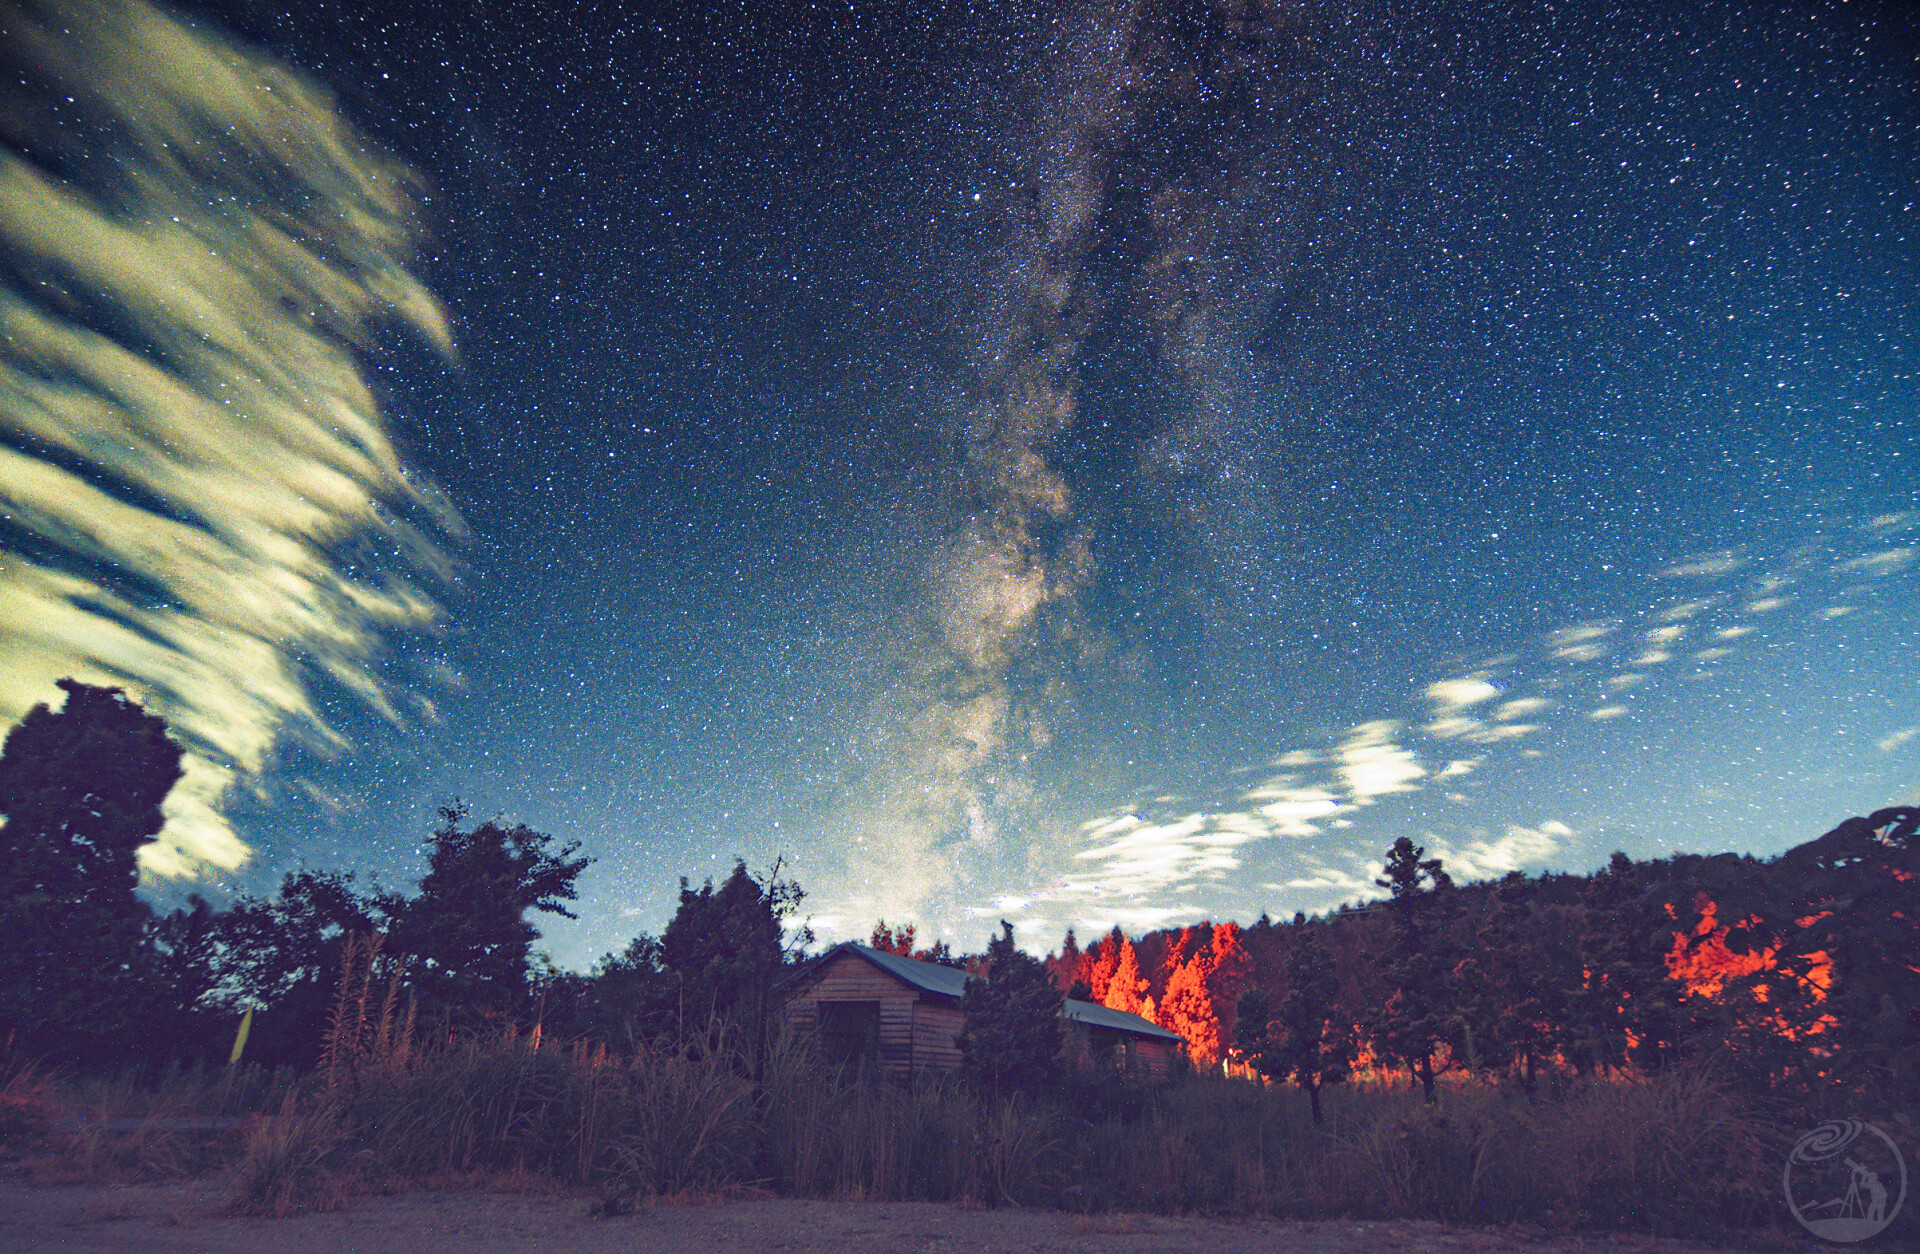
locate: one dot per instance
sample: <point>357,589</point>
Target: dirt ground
<point>180,1219</point>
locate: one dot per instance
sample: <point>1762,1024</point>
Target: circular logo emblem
<point>1845,1180</point>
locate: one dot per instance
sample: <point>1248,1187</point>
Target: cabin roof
<point>931,977</point>
<point>1096,1015</point>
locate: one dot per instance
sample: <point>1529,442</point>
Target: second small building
<point>901,1015</point>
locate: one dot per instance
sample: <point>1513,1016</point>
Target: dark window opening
<point>850,1031</point>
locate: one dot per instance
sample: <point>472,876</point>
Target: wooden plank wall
<point>916,1028</point>
<point>852,978</point>
<point>936,1021</point>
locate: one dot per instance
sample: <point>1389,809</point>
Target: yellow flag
<point>240,1037</point>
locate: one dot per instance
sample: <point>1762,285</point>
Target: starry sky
<point>1075,463</point>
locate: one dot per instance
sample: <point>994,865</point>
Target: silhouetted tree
<point>1309,1041</point>
<point>1420,1014</point>
<point>630,999</point>
<point>467,933</point>
<point>1627,1011</point>
<point>889,939</point>
<point>725,949</point>
<point>282,955</point>
<point>1012,1037</point>
<point>1514,985</point>
<point>1858,892</point>
<point>81,790</point>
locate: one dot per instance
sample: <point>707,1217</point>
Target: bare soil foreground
<point>182,1219</point>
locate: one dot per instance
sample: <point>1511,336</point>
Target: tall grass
<point>1680,1153</point>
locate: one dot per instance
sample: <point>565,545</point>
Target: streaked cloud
<point>1893,740</point>
<point>1582,643</point>
<point>210,457</point>
<point>1885,562</point>
<point>1706,565</point>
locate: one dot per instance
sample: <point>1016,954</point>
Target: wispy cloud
<point>189,476</point>
<point>1893,740</point>
<point>1516,849</point>
<point>1372,765</point>
<point>1885,562</point>
<point>1705,565</point>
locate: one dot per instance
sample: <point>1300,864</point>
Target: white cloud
<point>1893,740</point>
<point>1521,708</point>
<point>1704,566</point>
<point>1607,712</point>
<point>1519,848</point>
<point>246,285</point>
<point>1581,643</point>
<point>1500,732</point>
<point>1295,811</point>
<point>1452,728</point>
<point>1449,695</point>
<point>1684,610</point>
<point>1885,562</point>
<point>1371,765</point>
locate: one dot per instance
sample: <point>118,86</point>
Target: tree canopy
<point>1012,1037</point>
<point>81,789</point>
<point>468,929</point>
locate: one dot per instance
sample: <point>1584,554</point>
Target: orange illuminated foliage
<point>1188,1008</point>
<point>1702,960</point>
<point>1127,988</point>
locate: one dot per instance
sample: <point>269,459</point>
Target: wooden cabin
<point>867,1004</point>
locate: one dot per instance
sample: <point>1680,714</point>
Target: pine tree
<point>1099,963</point>
<point>1012,1038</point>
<point>1229,967</point>
<point>1126,988</point>
<point>1187,1007</point>
<point>1421,1013</point>
<point>1066,969</point>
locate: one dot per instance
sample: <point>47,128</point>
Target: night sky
<point>1093,463</point>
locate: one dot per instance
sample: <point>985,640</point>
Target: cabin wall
<point>917,1028</point>
<point>851,978</point>
<point>936,1021</point>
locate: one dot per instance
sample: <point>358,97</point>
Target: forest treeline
<point>1799,970</point>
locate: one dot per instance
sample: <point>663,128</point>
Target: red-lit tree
<point>1187,1008</point>
<point>1127,988</point>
